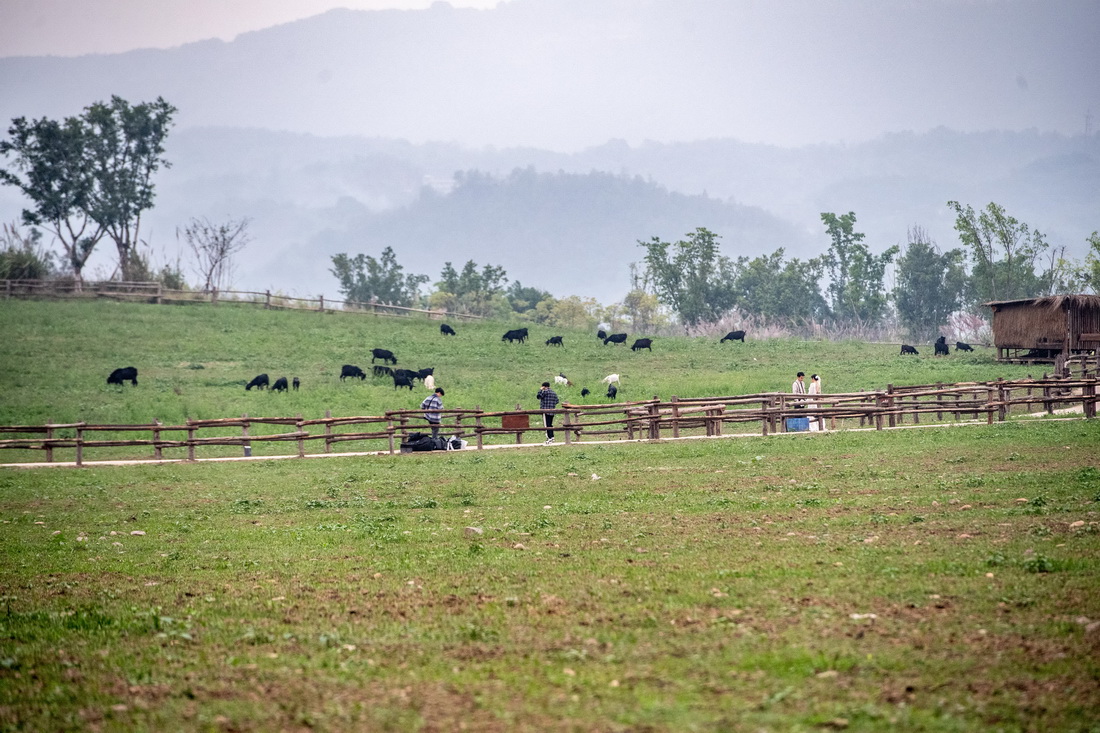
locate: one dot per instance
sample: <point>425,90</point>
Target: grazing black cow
<point>259,382</point>
<point>941,347</point>
<point>403,378</point>
<point>118,376</point>
<point>380,370</point>
<point>963,346</point>
<point>554,341</point>
<point>516,334</point>
<point>733,336</point>
<point>585,392</point>
<point>280,385</point>
<point>296,383</point>
<point>350,370</point>
<point>612,390</point>
<point>447,330</point>
<point>385,355</point>
<point>601,334</point>
<point>615,338</point>
<point>425,372</point>
<point>410,374</point>
<point>642,344</point>
<point>907,349</point>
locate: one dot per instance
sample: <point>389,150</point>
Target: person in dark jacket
<point>548,400</point>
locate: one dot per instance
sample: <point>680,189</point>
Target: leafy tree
<point>574,312</point>
<point>1090,272</point>
<point>22,256</point>
<point>855,275</point>
<point>1004,252</point>
<point>124,148</point>
<point>690,276</point>
<point>365,279</point>
<point>471,290</point>
<point>770,287</point>
<point>49,167</point>
<point>524,299</point>
<point>930,285</point>
<point>214,246</point>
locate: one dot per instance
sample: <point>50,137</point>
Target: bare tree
<point>214,246</point>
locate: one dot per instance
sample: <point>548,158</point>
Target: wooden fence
<point>655,419</point>
<point>154,292</point>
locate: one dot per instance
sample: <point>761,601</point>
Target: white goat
<point>610,378</point>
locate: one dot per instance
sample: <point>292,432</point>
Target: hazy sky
<point>77,27</point>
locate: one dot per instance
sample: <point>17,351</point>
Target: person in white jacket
<point>816,423</point>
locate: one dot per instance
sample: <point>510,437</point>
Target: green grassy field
<point>931,579</point>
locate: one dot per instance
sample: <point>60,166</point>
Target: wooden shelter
<point>1044,329</point>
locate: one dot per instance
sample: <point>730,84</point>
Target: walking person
<point>433,403</point>
<point>548,400</point>
<point>816,423</point>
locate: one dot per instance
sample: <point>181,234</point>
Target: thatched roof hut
<point>1041,329</point>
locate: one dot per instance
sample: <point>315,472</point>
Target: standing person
<point>433,403</point>
<point>816,423</point>
<point>798,386</point>
<point>548,400</point>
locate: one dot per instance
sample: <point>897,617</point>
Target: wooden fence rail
<point>647,420</point>
<point>154,292</point>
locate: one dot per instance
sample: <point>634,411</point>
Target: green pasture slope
<point>933,579</point>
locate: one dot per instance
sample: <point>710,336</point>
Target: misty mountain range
<point>306,129</point>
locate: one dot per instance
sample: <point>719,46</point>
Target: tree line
<point>692,282</point>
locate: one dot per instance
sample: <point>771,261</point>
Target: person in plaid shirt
<point>548,400</point>
<point>433,404</point>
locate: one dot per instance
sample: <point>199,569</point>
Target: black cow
<point>554,341</point>
<point>280,385</point>
<point>963,346</point>
<point>733,336</point>
<point>424,373</point>
<point>381,370</point>
<point>585,392</point>
<point>642,344</point>
<point>907,349</point>
<point>447,330</point>
<point>350,370</point>
<point>259,382</point>
<point>385,355</point>
<point>410,374</point>
<point>612,390</point>
<point>118,376</point>
<point>516,334</point>
<point>615,338</point>
<point>601,334</point>
<point>403,378</point>
<point>296,383</point>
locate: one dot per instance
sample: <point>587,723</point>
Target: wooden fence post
<point>568,429</point>
<point>328,432</point>
<point>267,300</point>
<point>889,404</point>
<point>244,433</point>
<point>49,435</point>
<point>676,417</point>
<point>990,396</point>
<point>322,308</point>
<point>80,446</point>
<point>158,453</point>
<point>390,430</point>
<point>1002,408</point>
<point>190,440</point>
<point>478,425</point>
<point>654,420</point>
<point>301,440</point>
<point>1089,401</point>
